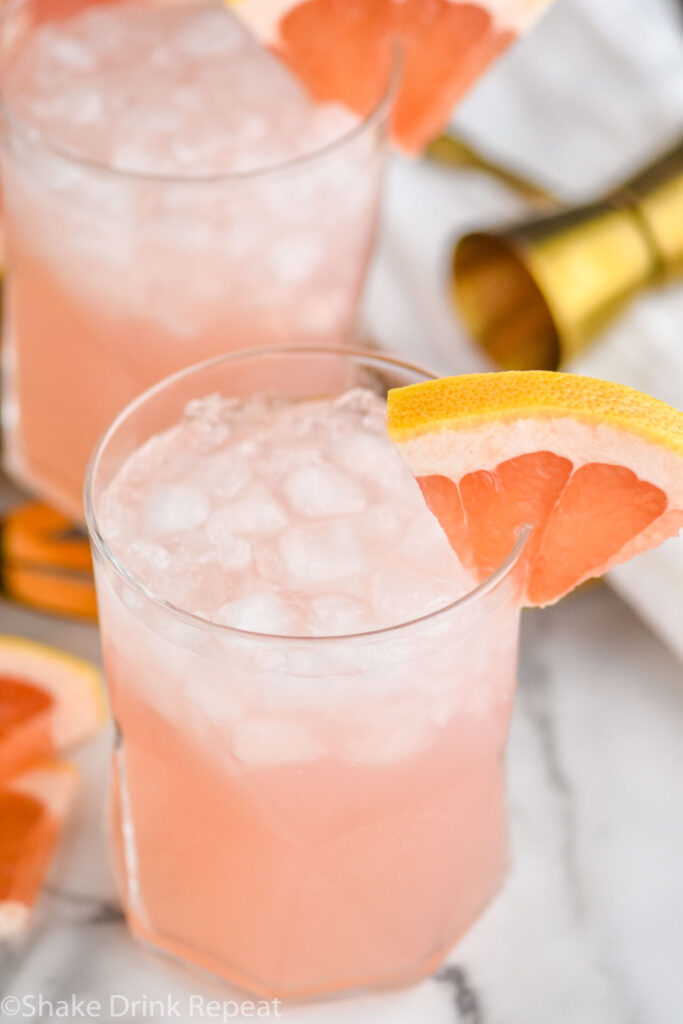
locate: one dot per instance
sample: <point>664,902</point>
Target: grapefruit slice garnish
<point>595,468</point>
<point>341,50</point>
<point>32,808</point>
<point>49,702</point>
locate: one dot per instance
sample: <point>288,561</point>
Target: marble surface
<point>588,928</point>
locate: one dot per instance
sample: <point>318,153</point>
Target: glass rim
<point>39,140</point>
<point>101,546</point>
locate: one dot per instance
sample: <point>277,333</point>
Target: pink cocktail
<point>311,708</point>
<point>170,192</point>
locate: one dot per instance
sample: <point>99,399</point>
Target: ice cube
<point>211,33</point>
<point>268,563</point>
<point>256,513</point>
<point>424,544</point>
<point>87,106</point>
<point>372,456</point>
<point>194,585</point>
<point>262,612</point>
<point>329,122</point>
<point>264,741</point>
<point>321,552</point>
<point>295,260</point>
<point>188,638</point>
<point>383,521</point>
<point>321,491</point>
<point>133,600</point>
<point>234,552</point>
<point>390,734</point>
<point>216,698</point>
<point>362,452</point>
<point>277,463</point>
<point>77,106</point>
<point>174,508</point>
<point>441,709</point>
<point>337,614</point>
<point>323,312</point>
<point>145,556</point>
<point>224,474</point>
<point>184,97</point>
<point>66,51</point>
<point>399,596</point>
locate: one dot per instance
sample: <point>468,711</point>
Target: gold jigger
<point>534,293</point>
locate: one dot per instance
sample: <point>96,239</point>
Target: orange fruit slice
<point>49,702</point>
<point>340,50</point>
<point>595,468</point>
<point>45,562</point>
<point>32,808</point>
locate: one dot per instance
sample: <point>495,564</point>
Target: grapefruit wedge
<point>595,468</point>
<point>49,702</point>
<point>32,808</point>
<point>341,50</point>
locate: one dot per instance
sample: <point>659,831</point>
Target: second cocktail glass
<point>132,251</point>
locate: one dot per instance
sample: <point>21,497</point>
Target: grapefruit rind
<point>75,685</point>
<point>52,783</point>
<point>469,430</point>
<point>455,403</point>
<point>14,918</point>
<point>459,425</point>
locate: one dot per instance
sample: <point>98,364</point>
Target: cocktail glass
<point>117,279</point>
<point>369,831</point>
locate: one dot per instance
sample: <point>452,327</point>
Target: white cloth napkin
<point>594,92</point>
